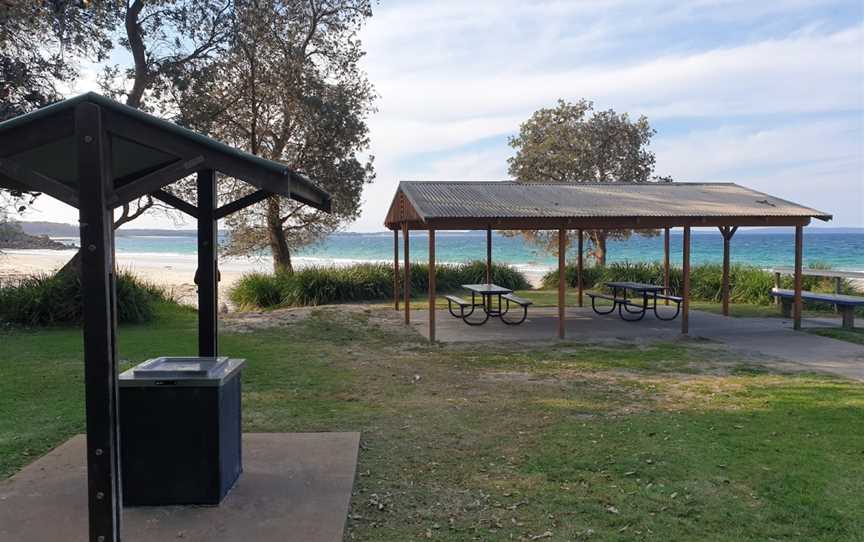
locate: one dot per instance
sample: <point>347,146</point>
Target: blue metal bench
<point>846,304</point>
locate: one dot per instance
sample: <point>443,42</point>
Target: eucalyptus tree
<point>290,89</point>
<point>571,143</point>
<point>164,38</point>
<point>41,45</point>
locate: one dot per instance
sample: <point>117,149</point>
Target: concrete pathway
<point>772,340</point>
<point>295,487</point>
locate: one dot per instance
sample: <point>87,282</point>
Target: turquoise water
<point>839,250</point>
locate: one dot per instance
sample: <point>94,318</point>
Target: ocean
<point>760,248</point>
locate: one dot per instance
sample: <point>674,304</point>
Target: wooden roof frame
<point>79,133</point>
<point>192,152</point>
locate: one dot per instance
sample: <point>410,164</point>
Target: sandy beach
<point>174,272</point>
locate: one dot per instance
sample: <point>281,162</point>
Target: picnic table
<point>634,307</point>
<point>488,292</point>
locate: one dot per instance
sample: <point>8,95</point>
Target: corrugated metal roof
<point>510,199</point>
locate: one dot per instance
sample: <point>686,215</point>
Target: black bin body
<point>180,434</point>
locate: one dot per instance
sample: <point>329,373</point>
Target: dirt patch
<point>251,321</point>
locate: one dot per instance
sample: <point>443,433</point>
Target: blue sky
<point>766,94</point>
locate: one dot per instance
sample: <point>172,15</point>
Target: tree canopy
<point>573,143</point>
<point>278,78</point>
<point>289,88</point>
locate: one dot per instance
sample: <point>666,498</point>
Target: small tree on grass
<point>571,143</point>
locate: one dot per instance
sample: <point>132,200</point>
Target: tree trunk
<point>598,239</point>
<point>278,243</point>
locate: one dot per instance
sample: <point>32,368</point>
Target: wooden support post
<point>666,263</point>
<point>407,279</point>
<point>799,256</point>
<point>207,277</point>
<point>562,279</point>
<point>431,285</point>
<point>777,286</point>
<point>685,284</point>
<point>489,255</point>
<point>579,263</point>
<point>727,232</point>
<point>396,269</point>
<point>838,288</point>
<point>100,325</point>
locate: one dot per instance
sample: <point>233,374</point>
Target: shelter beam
<point>36,182</point>
<point>155,180</point>
<point>727,232</point>
<point>100,326</point>
<point>207,276</point>
<point>407,279</point>
<point>431,285</point>
<point>685,283</point>
<point>36,133</point>
<point>396,269</point>
<point>579,263</point>
<point>177,203</point>
<point>799,257</point>
<point>666,262</point>
<point>489,255</point>
<point>562,279</point>
<point>240,204</point>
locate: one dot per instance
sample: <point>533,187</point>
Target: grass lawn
<point>851,335</point>
<point>669,441</point>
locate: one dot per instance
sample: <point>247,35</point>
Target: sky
<point>766,94</point>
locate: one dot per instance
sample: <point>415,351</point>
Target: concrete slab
<point>770,338</point>
<point>295,487</point>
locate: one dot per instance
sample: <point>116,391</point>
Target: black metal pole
<point>208,280</point>
<point>100,326</point>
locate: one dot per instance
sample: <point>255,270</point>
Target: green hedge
<point>360,282</point>
<point>41,300</point>
<point>748,284</point>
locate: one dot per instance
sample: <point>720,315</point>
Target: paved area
<point>295,487</point>
<point>772,339</point>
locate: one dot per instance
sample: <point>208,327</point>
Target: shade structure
<point>512,205</point>
<point>515,205</point>
<point>144,153</point>
<point>96,154</point>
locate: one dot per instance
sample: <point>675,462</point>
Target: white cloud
<point>454,74</point>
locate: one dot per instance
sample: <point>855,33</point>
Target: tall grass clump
<point>44,300</point>
<point>360,282</point>
<point>259,290</point>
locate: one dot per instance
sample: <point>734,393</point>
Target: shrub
<point>360,282</point>
<point>42,300</point>
<point>258,290</point>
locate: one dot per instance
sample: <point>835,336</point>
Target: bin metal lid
<point>183,370</point>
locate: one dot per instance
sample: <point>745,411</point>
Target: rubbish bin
<point>180,430</point>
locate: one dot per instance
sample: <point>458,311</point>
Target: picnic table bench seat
<point>615,301</point>
<point>846,304</point>
<point>522,302</point>
<point>463,314</point>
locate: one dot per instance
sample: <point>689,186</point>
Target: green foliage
<point>44,300</point>
<point>360,282</point>
<point>748,284</point>
<point>258,290</point>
